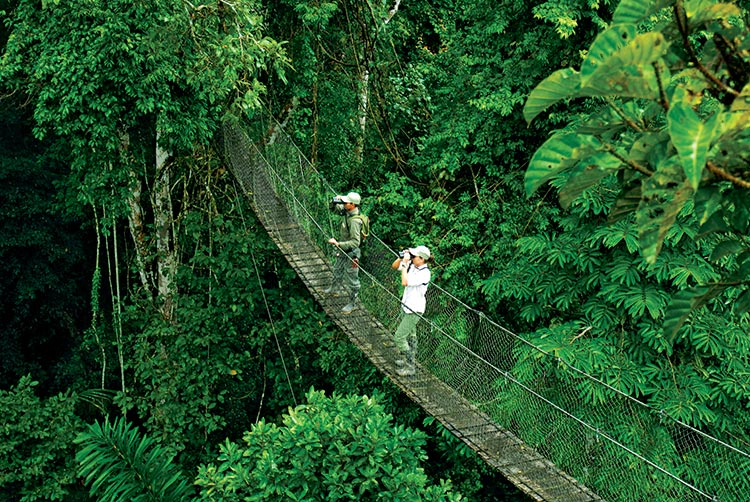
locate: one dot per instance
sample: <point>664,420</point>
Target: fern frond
<point>623,231</point>
<point>624,271</point>
<point>118,463</point>
<point>687,270</point>
<point>601,315</point>
<point>100,398</point>
<point>647,298</point>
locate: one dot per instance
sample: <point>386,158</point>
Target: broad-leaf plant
<point>670,84</point>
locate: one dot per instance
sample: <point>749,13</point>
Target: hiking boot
<point>405,371</point>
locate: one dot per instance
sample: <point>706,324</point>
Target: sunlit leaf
<point>692,138</point>
<point>643,49</point>
<point>699,12</point>
<point>562,84</point>
<point>630,69</point>
<point>605,46</point>
<point>742,102</point>
<point>558,153</point>
<point>626,82</point>
<point>634,11</point>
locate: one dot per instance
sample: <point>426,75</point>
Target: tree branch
<point>662,95</point>
<point>721,173</point>
<point>681,20</point>
<point>630,163</point>
<point>628,121</point>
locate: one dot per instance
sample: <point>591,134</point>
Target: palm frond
<point>118,463</point>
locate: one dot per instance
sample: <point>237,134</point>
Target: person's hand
<point>333,241</point>
<point>405,260</point>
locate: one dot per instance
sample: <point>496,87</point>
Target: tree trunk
<point>363,107</point>
<point>165,267</point>
<point>135,218</point>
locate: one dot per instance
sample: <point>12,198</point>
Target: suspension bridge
<point>522,410</point>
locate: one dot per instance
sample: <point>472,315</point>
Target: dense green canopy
<point>578,168</point>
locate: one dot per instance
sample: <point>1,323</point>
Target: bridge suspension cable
<point>598,442</point>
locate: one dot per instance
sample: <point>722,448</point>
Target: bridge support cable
<point>523,411</point>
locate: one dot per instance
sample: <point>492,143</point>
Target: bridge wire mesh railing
<point>618,446</point>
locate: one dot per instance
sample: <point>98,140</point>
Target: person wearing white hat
<point>415,277</point>
<point>346,265</point>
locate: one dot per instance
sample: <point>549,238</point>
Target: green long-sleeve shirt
<point>350,231</point>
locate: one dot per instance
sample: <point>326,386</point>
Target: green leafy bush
<point>331,448</point>
<point>36,445</point>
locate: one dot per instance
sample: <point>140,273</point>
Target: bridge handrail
<point>308,201</point>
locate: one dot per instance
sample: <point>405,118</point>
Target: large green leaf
<point>588,176</point>
<point>649,148</point>
<point>727,248</point>
<point>692,138</point>
<point>626,204</point>
<point>644,49</point>
<point>742,102</point>
<point>605,46</point>
<point>558,153</point>
<point>634,11</point>
<point>562,84</point>
<point>708,200</point>
<point>714,224</point>
<point>742,303</point>
<point>625,82</point>
<point>663,196</point>
<point>684,303</point>
<point>610,121</point>
<point>623,64</point>
<point>619,62</point>
<point>700,12</point>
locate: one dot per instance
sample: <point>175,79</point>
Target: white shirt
<point>413,299</point>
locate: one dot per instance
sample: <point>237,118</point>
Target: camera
<point>401,254</point>
<point>336,204</point>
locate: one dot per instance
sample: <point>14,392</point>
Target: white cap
<point>421,251</point>
<point>353,198</point>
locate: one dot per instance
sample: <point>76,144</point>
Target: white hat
<point>421,251</point>
<point>353,198</point>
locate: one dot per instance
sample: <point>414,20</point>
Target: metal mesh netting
<point>617,446</point>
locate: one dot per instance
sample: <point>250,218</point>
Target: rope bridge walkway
<point>525,412</point>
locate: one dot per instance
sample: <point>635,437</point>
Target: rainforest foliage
<point>579,169</point>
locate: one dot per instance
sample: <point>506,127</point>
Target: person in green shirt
<point>348,253</point>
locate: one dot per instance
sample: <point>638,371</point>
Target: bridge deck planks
<point>536,476</point>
